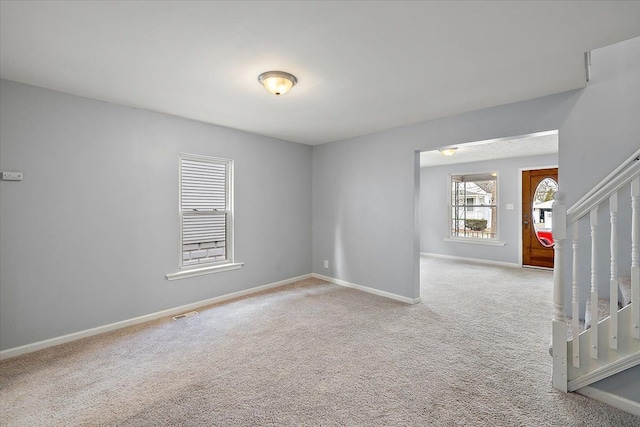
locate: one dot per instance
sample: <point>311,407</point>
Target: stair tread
<point>604,306</point>
<point>570,327</point>
<point>624,283</point>
<point>625,289</point>
<point>603,311</point>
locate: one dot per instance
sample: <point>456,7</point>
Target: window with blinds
<point>205,210</point>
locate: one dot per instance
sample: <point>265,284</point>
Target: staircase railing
<point>611,344</point>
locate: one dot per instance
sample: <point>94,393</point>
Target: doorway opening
<point>459,215</point>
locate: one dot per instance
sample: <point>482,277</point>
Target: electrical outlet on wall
<point>11,176</point>
<point>326,264</point>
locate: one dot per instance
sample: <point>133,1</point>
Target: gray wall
<point>601,131</point>
<point>88,236</point>
<point>364,188</point>
<point>603,127</point>
<point>434,212</point>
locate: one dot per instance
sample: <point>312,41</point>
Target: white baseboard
<point>627,362</point>
<point>367,289</point>
<point>478,260</point>
<point>611,399</point>
<point>28,348</point>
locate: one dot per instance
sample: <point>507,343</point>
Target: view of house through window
<point>543,211</point>
<point>474,212</point>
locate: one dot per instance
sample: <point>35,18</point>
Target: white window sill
<point>201,271</point>
<point>488,242</point>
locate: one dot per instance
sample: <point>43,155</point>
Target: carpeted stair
<point>625,289</point>
<point>624,283</point>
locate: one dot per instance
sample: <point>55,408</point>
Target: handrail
<point>612,183</point>
<point>600,346</point>
<point>634,157</point>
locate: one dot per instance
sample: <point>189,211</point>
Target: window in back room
<point>474,206</point>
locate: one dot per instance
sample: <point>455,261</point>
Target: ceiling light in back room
<point>277,82</point>
<point>448,152</point>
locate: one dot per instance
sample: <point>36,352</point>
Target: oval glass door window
<point>542,214</point>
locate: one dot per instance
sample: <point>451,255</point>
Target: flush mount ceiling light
<point>277,82</point>
<point>448,152</point>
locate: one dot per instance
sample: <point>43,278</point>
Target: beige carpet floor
<point>473,353</point>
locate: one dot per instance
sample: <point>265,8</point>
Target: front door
<point>538,188</point>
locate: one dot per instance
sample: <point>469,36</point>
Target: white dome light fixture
<point>448,152</point>
<point>277,82</point>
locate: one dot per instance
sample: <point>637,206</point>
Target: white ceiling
<point>503,148</point>
<point>362,67</point>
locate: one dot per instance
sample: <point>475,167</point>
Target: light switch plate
<point>509,206</point>
<point>11,176</point>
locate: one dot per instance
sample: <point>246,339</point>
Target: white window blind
<point>205,210</point>
<point>203,184</point>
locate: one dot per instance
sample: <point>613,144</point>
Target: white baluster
<point>594,284</point>
<point>575,309</point>
<point>613,279</point>
<point>635,267</point>
<point>559,324</point>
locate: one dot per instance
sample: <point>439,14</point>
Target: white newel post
<point>559,324</point>
<point>635,267</point>
<point>593,217</point>
<point>575,309</point>
<point>613,278</point>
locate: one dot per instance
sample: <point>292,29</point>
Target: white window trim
<point>495,241</point>
<point>201,271</point>
<point>475,241</point>
<point>213,267</point>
